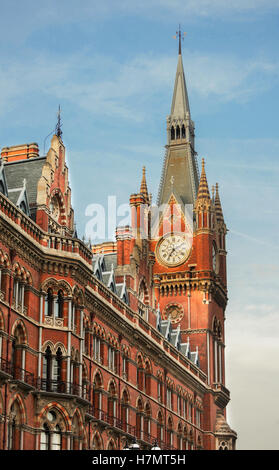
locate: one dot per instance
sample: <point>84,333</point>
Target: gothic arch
<point>19,331</point>
<point>19,401</point>
<point>98,379</point>
<point>143,292</point>
<point>97,441</point>
<point>52,283</point>
<point>125,396</point>
<point>63,416</point>
<point>49,344</point>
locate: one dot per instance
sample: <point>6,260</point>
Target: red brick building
<point>99,346</point>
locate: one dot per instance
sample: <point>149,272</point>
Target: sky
<point>111,66</point>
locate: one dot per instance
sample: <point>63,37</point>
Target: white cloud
<point>106,87</point>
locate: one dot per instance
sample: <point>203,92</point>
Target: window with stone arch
<point>18,351</point>
<point>139,418</point>
<point>147,422</point>
<point>15,422</point>
<point>97,394</point>
<point>77,435</point>
<point>160,427</point>
<point>125,410</point>
<point>112,403</point>
<point>97,442</point>
<point>140,373</point>
<point>52,430</point>
<point>223,445</point>
<point>148,374</point>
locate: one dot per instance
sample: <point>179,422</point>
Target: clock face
<point>173,249</point>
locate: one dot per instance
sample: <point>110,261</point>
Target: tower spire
<point>143,186</point>
<point>58,130</point>
<point>180,159</point>
<point>217,204</point>
<point>203,192</point>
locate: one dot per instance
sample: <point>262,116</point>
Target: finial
<point>178,34</point>
<point>143,186</point>
<point>213,191</point>
<point>58,130</point>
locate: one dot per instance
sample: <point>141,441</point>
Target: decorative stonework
<point>174,311</point>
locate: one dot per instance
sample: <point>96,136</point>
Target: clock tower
<point>189,271</point>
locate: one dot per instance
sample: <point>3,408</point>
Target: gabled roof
<point>28,170</point>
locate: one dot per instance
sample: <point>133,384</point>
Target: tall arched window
<point>172,133</point>
<point>147,423</point>
<point>47,376</point>
<point>160,428</point>
<point>140,374</point>
<point>14,427</point>
<point>56,439</point>
<point>51,433</point>
<point>183,133</point>
<point>49,303</point>
<point>59,305</point>
<point>97,395</point>
<point>18,353</point>
<point>177,132</point>
<point>139,419</point>
<point>112,408</point>
<point>57,372</point>
<point>45,438</point>
<point>170,432</point>
<point>125,411</point>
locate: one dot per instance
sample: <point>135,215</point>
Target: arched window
<point>125,411</point>
<point>169,432</point>
<point>183,133</point>
<point>112,408</point>
<point>46,377</point>
<point>177,132</point>
<point>140,374</point>
<point>57,372</point>
<point>49,303</point>
<point>172,133</point>
<point>14,427</point>
<point>45,438</point>
<point>139,419</point>
<point>147,423</point>
<point>160,428</point>
<point>59,305</point>
<point>97,395</point>
<point>147,378</point>
<point>51,433</point>
<point>97,442</point>
<point>56,439</point>
<point>17,353</point>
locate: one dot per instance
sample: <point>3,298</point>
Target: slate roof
<point>30,170</point>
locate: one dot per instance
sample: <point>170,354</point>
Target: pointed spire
<point>58,130</point>
<point>143,186</point>
<point>217,205</point>
<point>203,192</point>
<point>180,108</point>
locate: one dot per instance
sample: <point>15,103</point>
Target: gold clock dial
<point>173,249</point>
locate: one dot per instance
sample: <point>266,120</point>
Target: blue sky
<point>111,67</point>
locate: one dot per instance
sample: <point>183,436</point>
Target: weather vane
<point>58,130</point>
<point>178,35</point>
